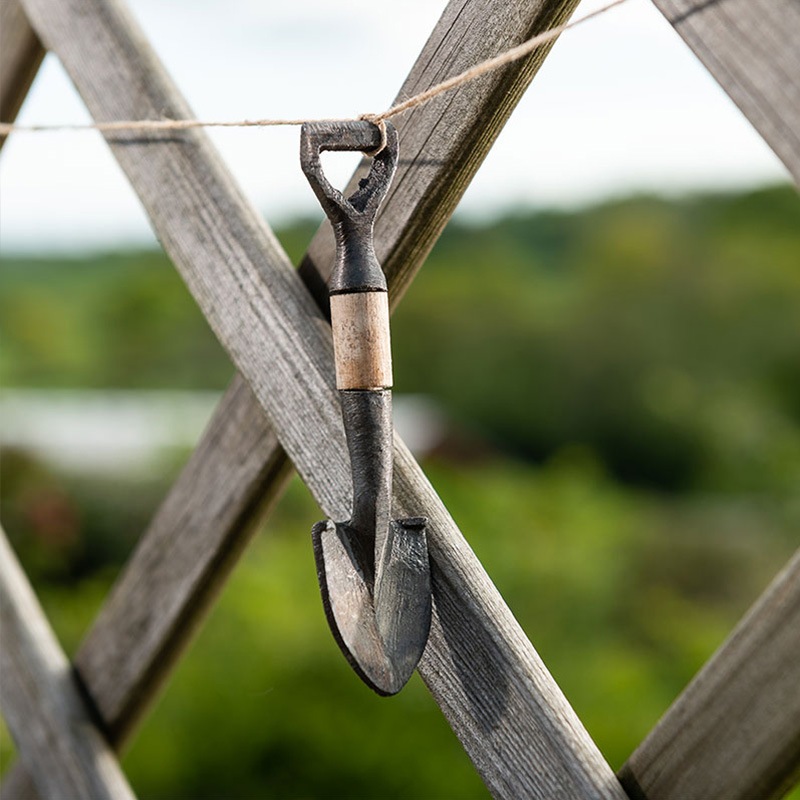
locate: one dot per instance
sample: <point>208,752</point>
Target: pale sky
<point>620,105</point>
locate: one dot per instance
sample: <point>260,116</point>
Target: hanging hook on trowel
<point>373,570</point>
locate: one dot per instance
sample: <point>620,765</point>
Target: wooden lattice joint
<point>513,720</point>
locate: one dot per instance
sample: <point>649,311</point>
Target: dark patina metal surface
<point>374,572</point>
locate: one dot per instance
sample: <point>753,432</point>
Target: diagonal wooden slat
<point>232,481</point>
<point>494,689</point>
<point>42,702</point>
<point>752,48</point>
<point>734,732</point>
<point>234,393</point>
<point>21,53</point>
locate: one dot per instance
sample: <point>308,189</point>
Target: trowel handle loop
<point>353,135</point>
<point>352,218</point>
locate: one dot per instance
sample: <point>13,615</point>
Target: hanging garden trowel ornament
<point>373,570</point>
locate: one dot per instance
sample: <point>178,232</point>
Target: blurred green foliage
<point>663,335</point>
<point>624,386</point>
<point>119,320</point>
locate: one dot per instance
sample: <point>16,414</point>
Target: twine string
<point>469,75</point>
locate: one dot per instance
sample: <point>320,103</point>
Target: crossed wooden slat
<point>42,699</point>
<point>513,721</point>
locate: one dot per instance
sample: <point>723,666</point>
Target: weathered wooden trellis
<point>733,733</point>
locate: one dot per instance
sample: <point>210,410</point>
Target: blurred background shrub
<point>617,392</point>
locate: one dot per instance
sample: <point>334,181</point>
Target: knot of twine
<point>381,126</point>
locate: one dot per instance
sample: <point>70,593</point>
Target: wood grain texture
<point>734,732</point>
<point>752,48</point>
<point>42,703</point>
<point>21,53</point>
<point>515,723</point>
<point>360,331</point>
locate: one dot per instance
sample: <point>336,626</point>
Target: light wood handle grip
<point>360,324</point>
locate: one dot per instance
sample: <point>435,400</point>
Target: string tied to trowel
<point>374,571</point>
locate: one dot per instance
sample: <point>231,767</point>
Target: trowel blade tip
<point>384,664</point>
